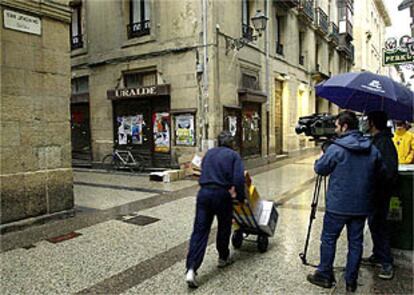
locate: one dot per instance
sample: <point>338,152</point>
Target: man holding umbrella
<point>377,221</point>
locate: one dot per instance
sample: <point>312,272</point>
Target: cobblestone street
<point>130,236</point>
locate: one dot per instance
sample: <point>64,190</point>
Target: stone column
<point>36,174</point>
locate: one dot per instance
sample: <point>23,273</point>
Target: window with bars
<point>76,40</point>
<point>250,82</point>
<point>140,79</point>
<point>139,20</point>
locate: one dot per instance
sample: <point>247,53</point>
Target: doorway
<point>80,133</point>
<point>278,117</point>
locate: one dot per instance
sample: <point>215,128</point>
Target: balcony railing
<point>345,28</point>
<point>321,20</point>
<point>333,33</point>
<point>76,42</point>
<point>279,48</point>
<point>305,8</point>
<point>301,60</point>
<point>139,29</point>
<point>288,3</point>
<point>247,32</point>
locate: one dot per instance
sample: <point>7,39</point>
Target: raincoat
<point>404,143</point>
<point>354,166</point>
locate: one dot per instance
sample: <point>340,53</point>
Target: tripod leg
<point>314,207</point>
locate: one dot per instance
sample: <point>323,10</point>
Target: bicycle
<point>124,159</point>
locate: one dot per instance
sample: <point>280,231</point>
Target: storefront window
<point>131,130</point>
<point>251,129</point>
<point>184,129</point>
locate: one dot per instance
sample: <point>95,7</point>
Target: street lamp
<point>259,23</point>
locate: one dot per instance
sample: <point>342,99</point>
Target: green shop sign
<point>397,57</point>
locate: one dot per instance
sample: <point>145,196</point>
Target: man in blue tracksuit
<point>354,166</point>
<point>222,178</point>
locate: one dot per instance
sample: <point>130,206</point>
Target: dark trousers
<point>332,228</point>
<point>379,230</point>
<point>210,203</point>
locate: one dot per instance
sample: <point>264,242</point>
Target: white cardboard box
<point>266,217</point>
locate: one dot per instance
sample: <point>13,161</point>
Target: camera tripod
<point>314,207</point>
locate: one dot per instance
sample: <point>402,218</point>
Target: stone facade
<point>265,85</point>
<point>36,173</point>
<point>371,20</point>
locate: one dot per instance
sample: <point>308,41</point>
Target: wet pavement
<point>130,236</point>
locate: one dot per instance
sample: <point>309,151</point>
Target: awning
<point>252,95</point>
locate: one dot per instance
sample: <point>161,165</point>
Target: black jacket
<point>383,142</point>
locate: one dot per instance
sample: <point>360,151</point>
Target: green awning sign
<point>397,57</point>
<point>401,52</point>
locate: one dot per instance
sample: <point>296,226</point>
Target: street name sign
<point>22,22</point>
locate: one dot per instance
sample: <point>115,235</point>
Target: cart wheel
<point>262,243</point>
<point>237,239</point>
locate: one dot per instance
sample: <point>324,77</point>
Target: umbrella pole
<point>349,98</point>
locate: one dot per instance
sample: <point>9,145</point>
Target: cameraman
<point>352,163</point>
<point>382,140</point>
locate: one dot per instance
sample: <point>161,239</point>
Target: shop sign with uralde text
<point>22,22</point>
<point>139,92</point>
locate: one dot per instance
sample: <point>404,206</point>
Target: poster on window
<point>124,129</point>
<point>184,129</point>
<point>232,125</point>
<point>161,129</point>
<point>137,126</point>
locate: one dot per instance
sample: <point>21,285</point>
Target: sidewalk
<point>139,247</point>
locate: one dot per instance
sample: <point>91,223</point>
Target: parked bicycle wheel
<point>108,162</point>
<point>140,164</point>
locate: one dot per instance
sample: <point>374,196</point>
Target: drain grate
<point>29,247</point>
<point>141,220</point>
<point>64,237</point>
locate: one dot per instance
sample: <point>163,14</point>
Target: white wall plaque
<point>22,22</point>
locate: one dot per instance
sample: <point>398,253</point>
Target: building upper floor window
<point>301,47</point>
<point>80,85</point>
<point>247,30</point>
<point>76,26</point>
<point>140,79</point>
<point>139,20</point>
<point>250,82</point>
<point>279,29</point>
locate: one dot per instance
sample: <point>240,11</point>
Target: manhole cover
<point>141,220</point>
<point>62,238</point>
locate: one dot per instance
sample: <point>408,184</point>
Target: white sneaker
<point>191,279</point>
<point>223,263</point>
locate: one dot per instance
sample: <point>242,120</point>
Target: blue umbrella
<point>365,92</point>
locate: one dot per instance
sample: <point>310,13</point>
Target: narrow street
<point>130,236</point>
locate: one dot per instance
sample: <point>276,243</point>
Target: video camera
<point>319,126</point>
